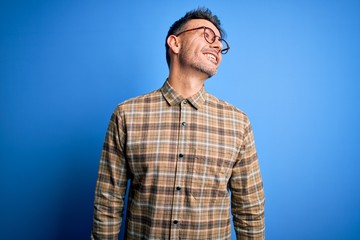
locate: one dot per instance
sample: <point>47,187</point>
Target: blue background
<point>293,67</point>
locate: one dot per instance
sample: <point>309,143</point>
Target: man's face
<point>196,52</point>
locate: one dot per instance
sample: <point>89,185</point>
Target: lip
<point>214,54</point>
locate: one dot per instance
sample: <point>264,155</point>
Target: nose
<point>217,44</point>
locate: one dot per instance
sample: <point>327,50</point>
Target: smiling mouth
<point>212,58</point>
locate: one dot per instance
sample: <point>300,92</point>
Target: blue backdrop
<point>293,67</point>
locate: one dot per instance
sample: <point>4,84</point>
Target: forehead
<point>194,23</point>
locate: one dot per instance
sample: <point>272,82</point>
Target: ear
<point>173,43</point>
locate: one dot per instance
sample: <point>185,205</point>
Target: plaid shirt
<point>184,157</point>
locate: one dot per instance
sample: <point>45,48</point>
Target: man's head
<point>203,22</point>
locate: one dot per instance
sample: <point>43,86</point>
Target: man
<point>189,156</point>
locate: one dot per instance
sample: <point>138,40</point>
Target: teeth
<point>211,57</point>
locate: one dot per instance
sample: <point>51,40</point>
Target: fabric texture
<point>192,162</point>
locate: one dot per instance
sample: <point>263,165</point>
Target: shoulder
<point>139,101</point>
<point>148,97</point>
<point>227,108</point>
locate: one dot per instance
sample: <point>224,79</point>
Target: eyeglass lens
<point>210,37</point>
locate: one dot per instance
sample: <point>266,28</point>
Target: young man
<point>190,156</point>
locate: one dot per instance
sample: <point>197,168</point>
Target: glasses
<point>210,37</point>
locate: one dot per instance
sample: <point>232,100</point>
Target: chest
<point>205,140</point>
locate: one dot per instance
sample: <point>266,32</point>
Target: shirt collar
<point>174,98</point>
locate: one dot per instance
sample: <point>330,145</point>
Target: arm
<point>111,183</point>
<point>247,191</point>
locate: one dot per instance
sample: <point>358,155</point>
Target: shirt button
<point>175,221</point>
<point>181,155</point>
<point>183,123</point>
<point>184,102</point>
<point>178,188</point>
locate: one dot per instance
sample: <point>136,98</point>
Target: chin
<point>209,72</point>
<point>210,75</point>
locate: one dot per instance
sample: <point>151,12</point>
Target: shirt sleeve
<point>247,194</point>
<point>111,182</point>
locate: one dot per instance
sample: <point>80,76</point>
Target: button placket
<point>181,165</point>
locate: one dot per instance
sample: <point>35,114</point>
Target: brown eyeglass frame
<point>223,50</point>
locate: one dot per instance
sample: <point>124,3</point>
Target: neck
<point>184,83</point>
